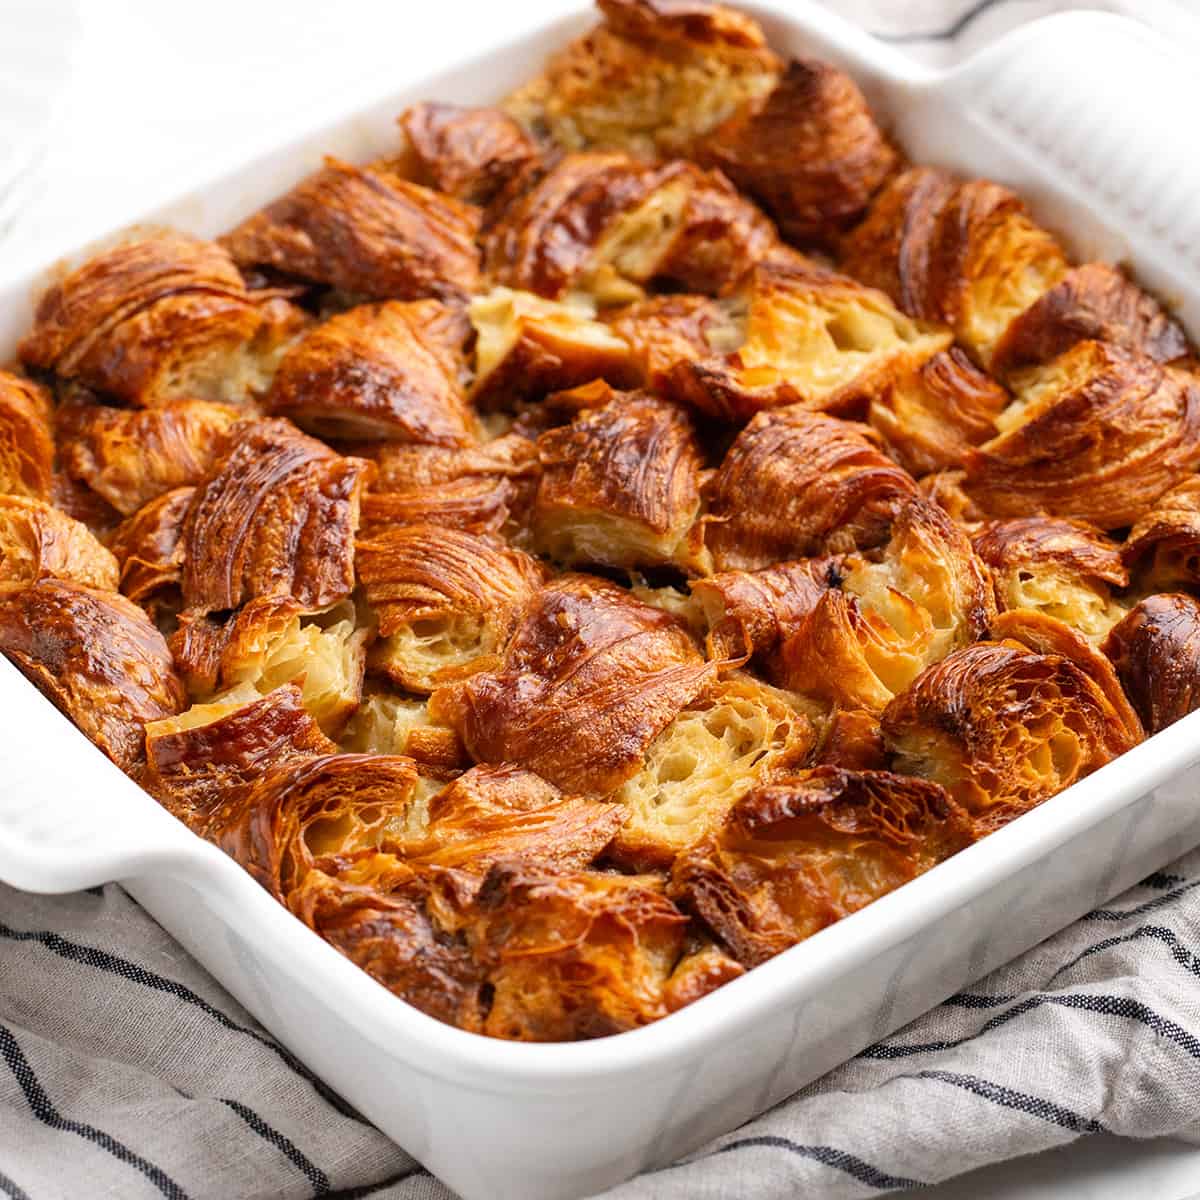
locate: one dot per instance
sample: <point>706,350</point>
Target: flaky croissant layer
<point>611,536</point>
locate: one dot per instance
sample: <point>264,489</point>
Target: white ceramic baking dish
<point>1085,115</point>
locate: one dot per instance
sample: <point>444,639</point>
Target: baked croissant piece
<point>1097,435</point>
<point>1066,569</point>
<point>446,601</point>
<point>809,152</point>
<point>26,440</point>
<point>201,762</point>
<point>271,641</point>
<point>793,857</point>
<point>1156,652</point>
<point>481,488</point>
<point>146,545</point>
<point>467,153</point>
<point>39,541</point>
<point>607,224</point>
<point>796,484</point>
<point>391,370</point>
<point>589,679</point>
<point>276,516</point>
<point>366,232</point>
<point>1163,547</point>
<point>571,954</point>
<point>164,317</point>
<point>527,347</point>
<point>97,657</point>
<point>620,486</point>
<point>132,456</point>
<point>1003,728</point>
<point>739,734</point>
<point>809,336</point>
<point>654,78</point>
<point>965,253</point>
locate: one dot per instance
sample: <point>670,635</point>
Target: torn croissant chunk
<point>653,78</point>
<point>620,487</point>
<point>39,541</point>
<point>794,856</point>
<point>1003,728</point>
<point>26,440</point>
<point>163,317</point>
<point>446,601</point>
<point>589,679</point>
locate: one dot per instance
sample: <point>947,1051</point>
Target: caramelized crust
<point>589,679</point>
<point>527,347</point>
<point>752,612</point>
<point>1163,547</point>
<point>795,856</point>
<point>963,253</point>
<point>810,336</point>
<point>926,595</point>
<point>26,442</point>
<point>379,371</point>
<point>620,486</point>
<point>276,516</point>
<point>476,488</point>
<point>266,644</point>
<point>573,954</point>
<point>303,809</point>
<point>607,224</point>
<point>374,912</point>
<point>1096,435</point>
<point>852,739</point>
<point>367,232</point>
<point>38,541</point>
<point>164,317</point>
<point>655,78</point>
<point>201,764</point>
<point>97,657</point>
<point>468,153</point>
<point>1003,729</point>
<point>1094,302</point>
<point>132,456</point>
<point>504,813</point>
<point>930,413</point>
<point>741,734</point>
<point>795,484</point>
<point>1156,653</point>
<point>1062,568</point>
<point>446,601</point>
<point>147,547</point>
<point>811,152</point>
<point>662,331</point>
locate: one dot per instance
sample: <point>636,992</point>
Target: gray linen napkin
<point>127,1072</point>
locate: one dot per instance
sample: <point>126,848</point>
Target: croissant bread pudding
<point>578,556</point>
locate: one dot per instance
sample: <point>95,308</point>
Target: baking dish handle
<point>69,818</point>
<point>1103,104</point>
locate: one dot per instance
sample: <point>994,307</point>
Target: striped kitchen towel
<point>126,1072</point>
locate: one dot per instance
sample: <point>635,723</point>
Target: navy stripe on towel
<point>11,1190</point>
<point>1034,1106</point>
<point>285,1145</point>
<point>1112,1006</point>
<point>45,1112</point>
<point>102,960</point>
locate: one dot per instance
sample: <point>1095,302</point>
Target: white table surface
<point>158,84</point>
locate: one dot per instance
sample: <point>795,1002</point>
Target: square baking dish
<point>1083,114</point>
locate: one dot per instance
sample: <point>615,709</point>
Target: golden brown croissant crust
<point>607,538</point>
<point>276,515</point>
<point>97,656</point>
<point>365,231</point>
<point>1156,652</point>
<point>26,441</point>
